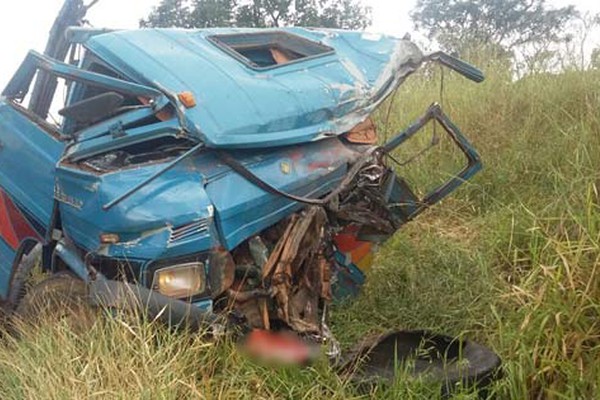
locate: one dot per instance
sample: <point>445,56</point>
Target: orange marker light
<point>187,99</point>
<point>109,238</point>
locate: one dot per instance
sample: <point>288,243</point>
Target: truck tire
<point>454,363</point>
<point>21,277</point>
<point>60,297</point>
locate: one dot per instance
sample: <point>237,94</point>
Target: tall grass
<point>514,258</point>
<point>511,260</point>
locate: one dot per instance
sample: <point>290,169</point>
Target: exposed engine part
<point>259,251</point>
<point>298,272</point>
<point>294,261</point>
<point>137,155</point>
<point>364,202</point>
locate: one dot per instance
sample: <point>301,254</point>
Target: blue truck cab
<point>182,158</point>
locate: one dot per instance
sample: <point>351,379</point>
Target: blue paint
<point>239,106</point>
<point>348,279</point>
<point>72,259</point>
<point>28,155</point>
<point>7,254</point>
<point>282,122</point>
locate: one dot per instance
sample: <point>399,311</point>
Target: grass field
<point>511,260</point>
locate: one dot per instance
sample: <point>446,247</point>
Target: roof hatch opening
<point>269,49</point>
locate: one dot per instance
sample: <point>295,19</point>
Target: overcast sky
<point>25,23</point>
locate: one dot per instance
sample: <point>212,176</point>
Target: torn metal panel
<point>295,271</point>
<point>241,107</point>
<point>295,280</point>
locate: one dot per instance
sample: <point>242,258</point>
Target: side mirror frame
<point>462,67</point>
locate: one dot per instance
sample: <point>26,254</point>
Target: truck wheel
<point>60,297</point>
<point>22,277</point>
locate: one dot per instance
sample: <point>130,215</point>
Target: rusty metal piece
<point>363,133</point>
<point>242,297</point>
<point>325,277</point>
<point>280,56</point>
<point>276,253</point>
<point>221,271</point>
<point>264,313</point>
<point>295,271</point>
<point>248,303</point>
<point>252,313</point>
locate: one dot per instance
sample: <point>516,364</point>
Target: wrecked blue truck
<point>203,173</point>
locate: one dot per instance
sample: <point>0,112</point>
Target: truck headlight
<point>179,281</point>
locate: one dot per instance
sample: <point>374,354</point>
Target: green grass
<point>511,260</point>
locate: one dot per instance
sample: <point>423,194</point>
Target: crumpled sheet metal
<point>298,272</point>
<point>295,281</point>
<point>268,111</point>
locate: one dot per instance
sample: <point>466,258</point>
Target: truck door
<point>29,151</point>
<point>28,155</point>
<point>401,198</point>
<point>30,148</point>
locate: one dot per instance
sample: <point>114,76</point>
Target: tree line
<point>345,14</point>
<point>527,31</point>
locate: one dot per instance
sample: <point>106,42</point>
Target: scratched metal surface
<point>239,106</point>
<point>200,188</point>
<point>281,122</point>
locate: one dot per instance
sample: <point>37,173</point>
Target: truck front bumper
<point>127,296</point>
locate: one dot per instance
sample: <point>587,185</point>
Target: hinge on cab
<point>117,131</point>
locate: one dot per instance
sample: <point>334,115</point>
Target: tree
<point>506,24</point>
<point>71,14</point>
<point>169,13</point>
<point>582,28</point>
<point>346,14</point>
<point>595,58</point>
<point>207,13</point>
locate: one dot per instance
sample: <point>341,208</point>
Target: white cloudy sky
<point>25,23</point>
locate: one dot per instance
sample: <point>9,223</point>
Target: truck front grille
<point>189,231</point>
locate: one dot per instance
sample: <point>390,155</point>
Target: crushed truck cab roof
<point>264,87</point>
